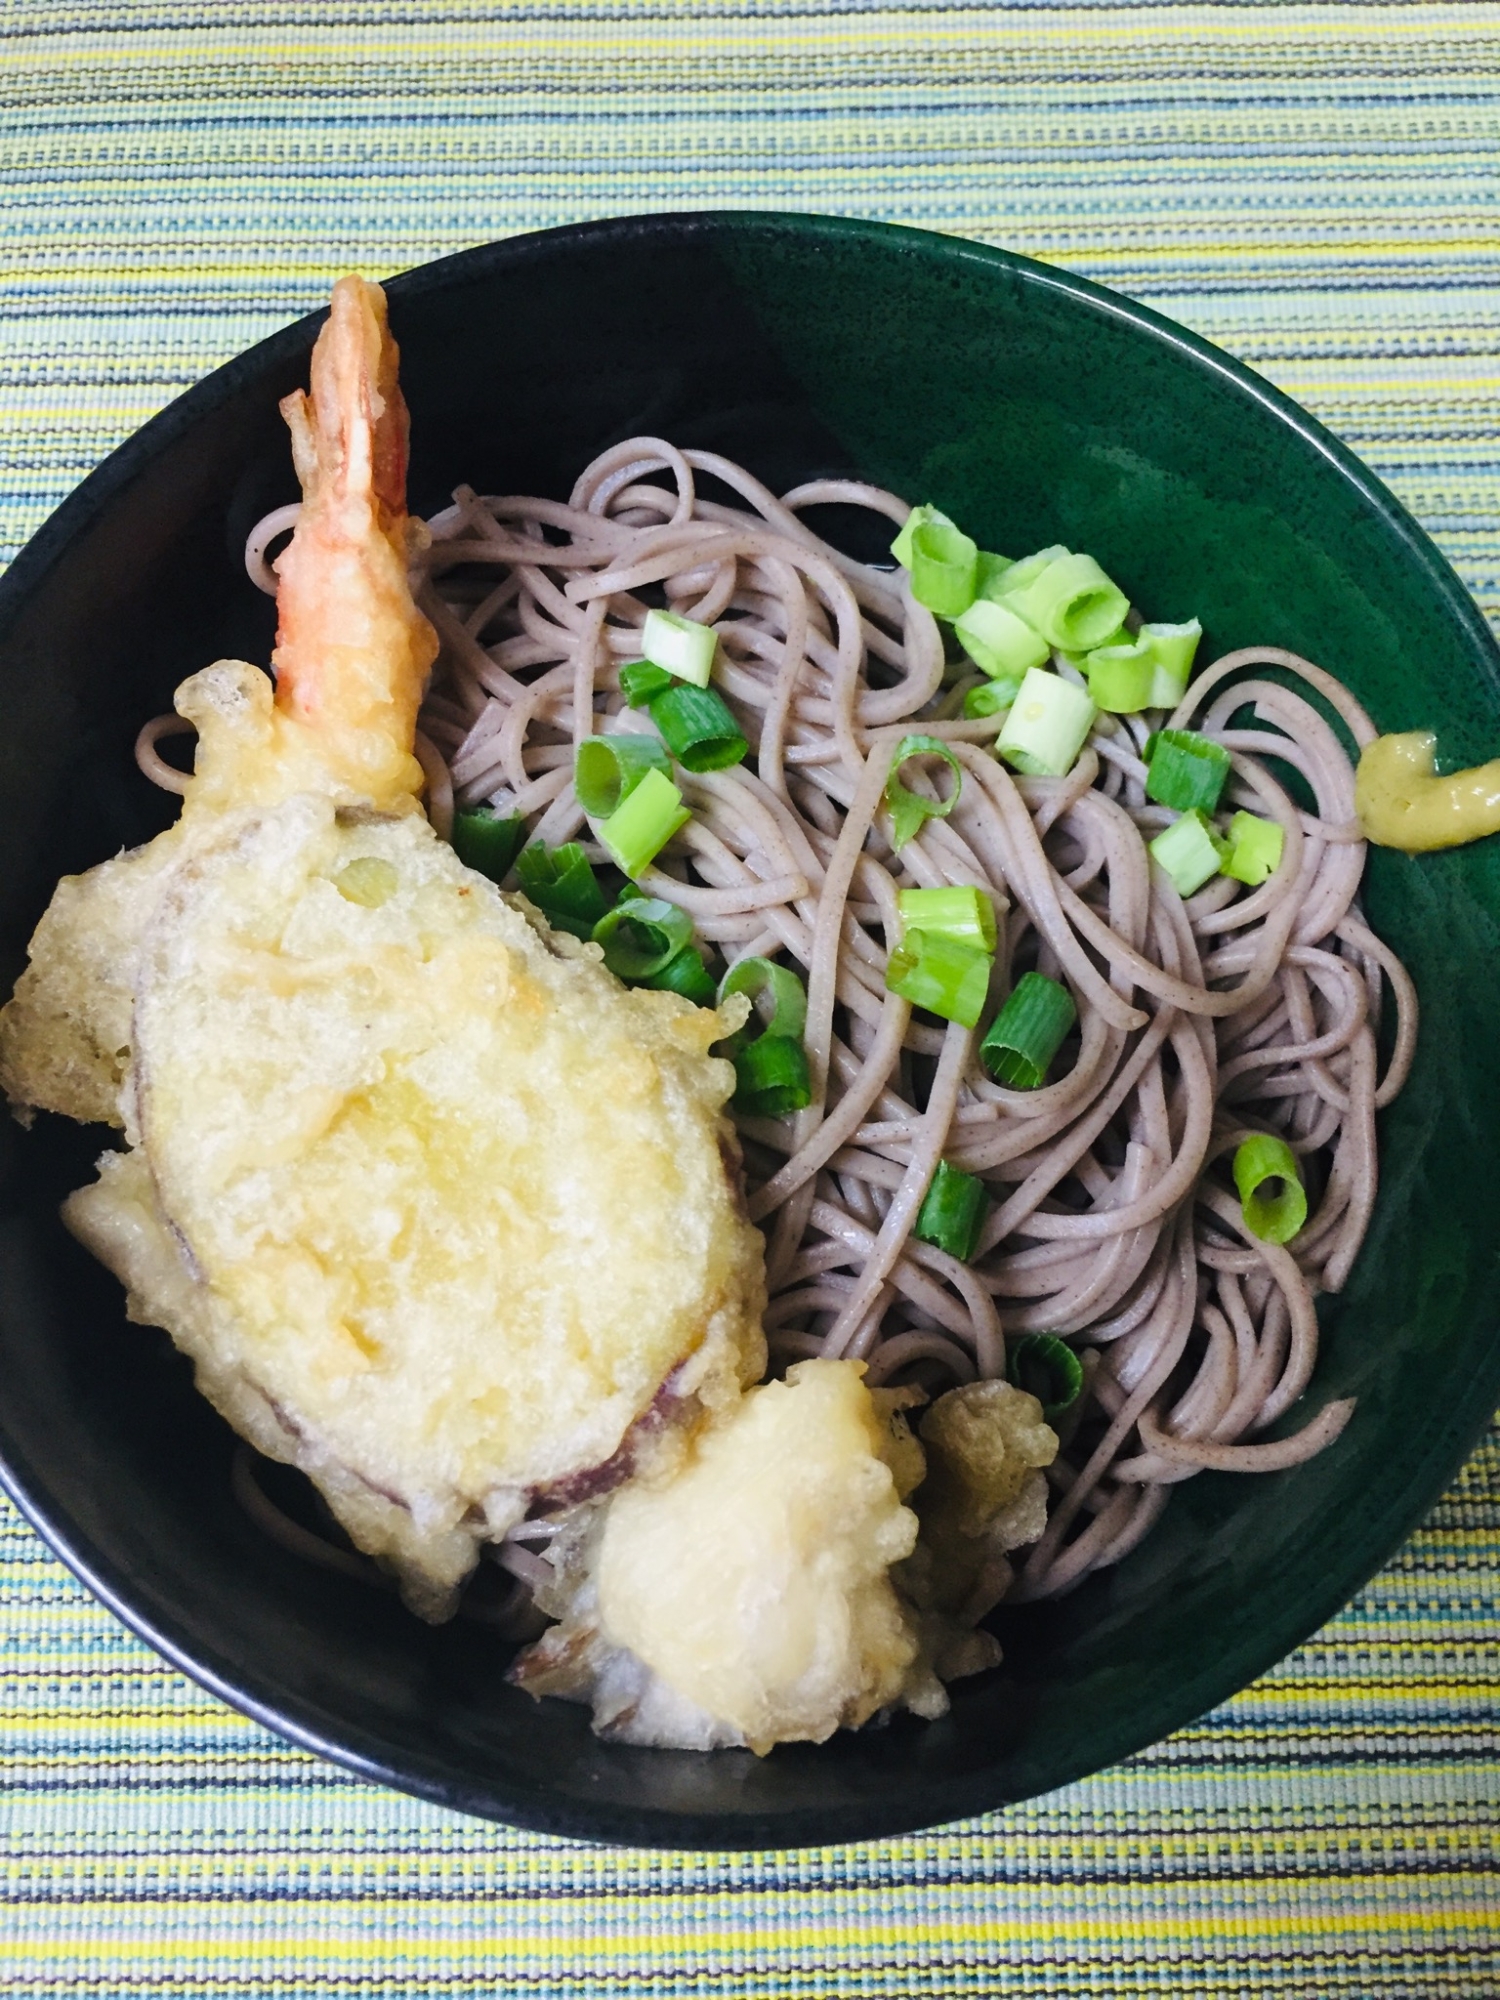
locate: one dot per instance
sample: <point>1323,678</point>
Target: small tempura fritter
<point>747,1599</point>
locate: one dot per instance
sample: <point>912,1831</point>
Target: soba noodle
<point>1237,1011</point>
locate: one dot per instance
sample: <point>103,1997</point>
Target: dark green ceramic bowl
<point>1037,409</point>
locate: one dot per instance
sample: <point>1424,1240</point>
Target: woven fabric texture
<point>1311,186</point>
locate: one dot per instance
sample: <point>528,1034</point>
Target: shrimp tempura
<point>352,649</point>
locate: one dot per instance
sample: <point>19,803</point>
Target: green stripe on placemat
<point>1313,187</point>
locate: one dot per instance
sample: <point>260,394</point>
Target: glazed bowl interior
<point>1037,410</point>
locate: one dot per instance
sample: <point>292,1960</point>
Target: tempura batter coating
<point>65,1036</point>
<point>985,1494</point>
<point>747,1599</point>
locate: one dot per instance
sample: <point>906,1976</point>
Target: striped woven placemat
<point>1311,186</point>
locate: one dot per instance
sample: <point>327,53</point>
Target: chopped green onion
<point>989,698</point>
<point>1079,662</point>
<point>948,979</point>
<point>917,518</point>
<point>563,886</point>
<point>1071,602</point>
<point>772,1078</point>
<point>964,914</point>
<point>1272,1212</point>
<point>637,831</point>
<point>1028,1032</point>
<point>607,769</point>
<point>641,935</point>
<point>908,810</point>
<point>1022,574</point>
<point>698,728</point>
<point>989,574</point>
<point>1046,727</point>
<point>952,1212</point>
<point>761,979</point>
<point>1173,647</point>
<point>998,640</point>
<point>685,974</point>
<point>1047,1368</point>
<point>1190,851</point>
<point>770,1085</point>
<point>484,841</point>
<point>640,682</point>
<point>944,564</point>
<point>1255,846</point>
<point>1184,770</point>
<point>1120,677</point>
<point>679,645</point>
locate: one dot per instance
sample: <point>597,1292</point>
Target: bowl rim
<point>311,1726</point>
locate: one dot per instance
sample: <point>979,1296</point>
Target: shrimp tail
<point>352,649</point>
